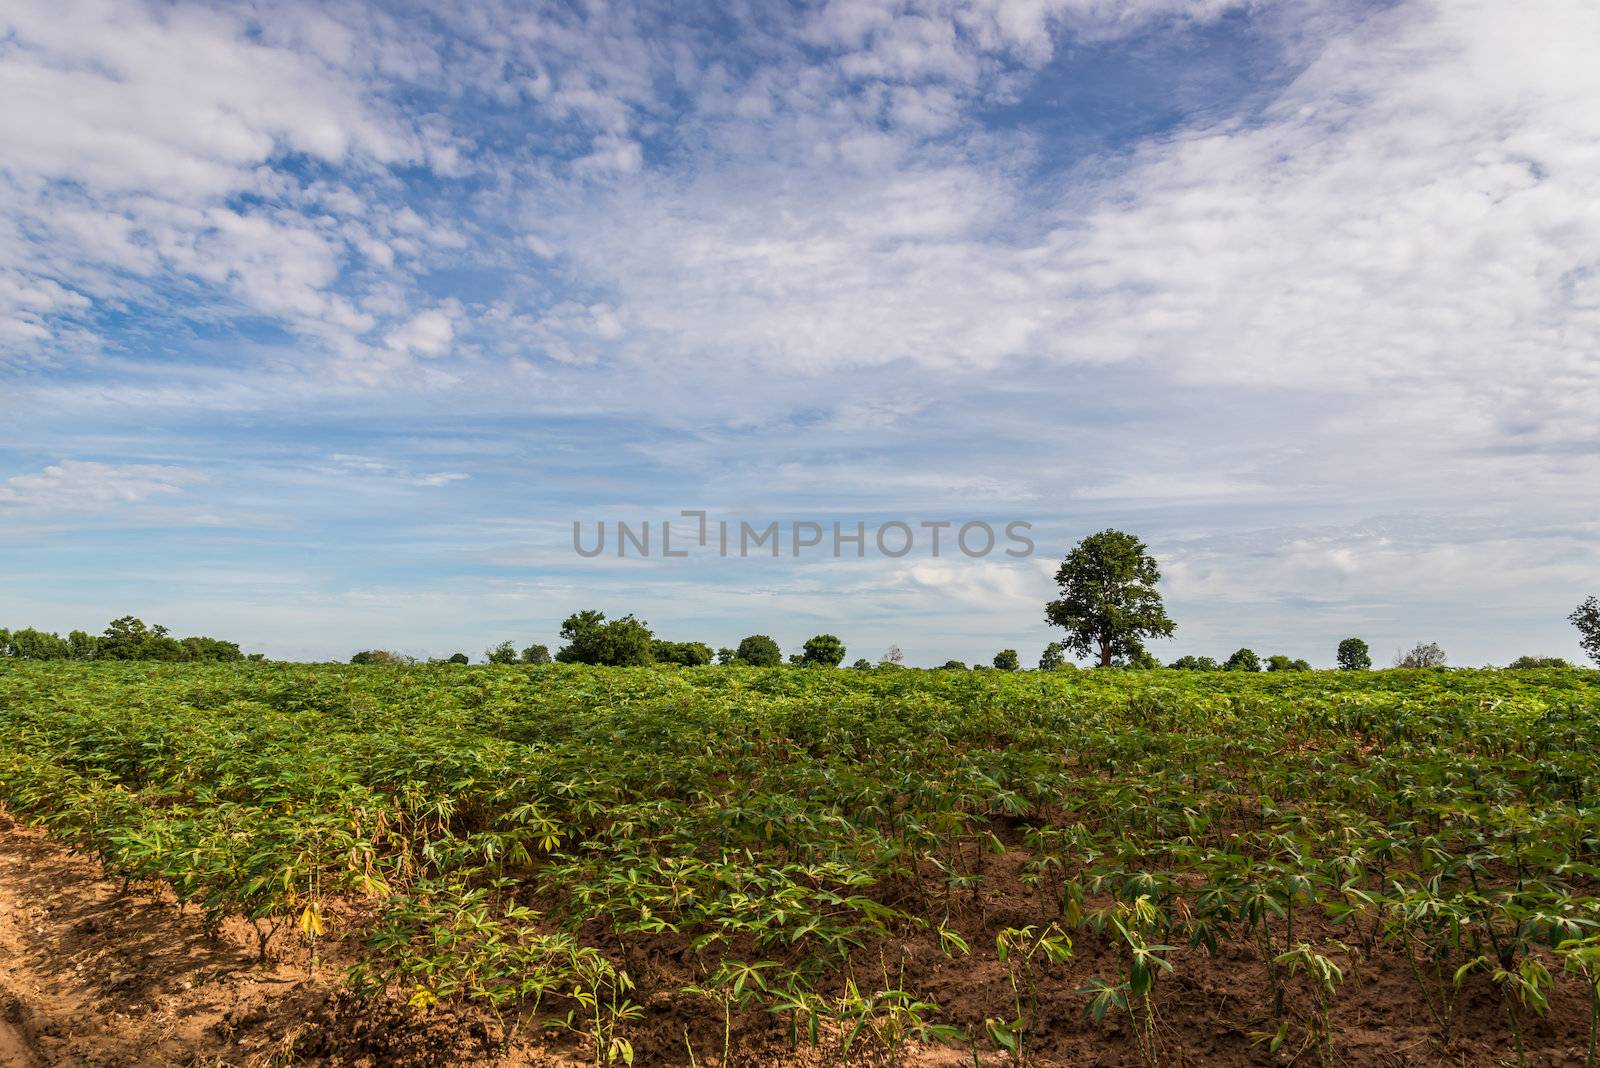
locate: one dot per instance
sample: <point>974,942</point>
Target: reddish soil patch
<point>90,975</point>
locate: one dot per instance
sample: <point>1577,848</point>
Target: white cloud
<point>86,486</point>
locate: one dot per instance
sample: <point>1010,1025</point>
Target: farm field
<point>569,865</point>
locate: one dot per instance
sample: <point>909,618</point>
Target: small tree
<point>1586,617</point>
<point>1138,660</point>
<point>824,650</point>
<point>1243,660</point>
<point>461,658</point>
<point>1280,662</point>
<point>954,665</point>
<point>726,656</point>
<point>1109,602</point>
<point>862,664</point>
<point>1193,663</point>
<point>1006,660</point>
<point>536,654</point>
<point>591,639</point>
<point>1054,655</point>
<point>1421,655</point>
<point>1354,655</point>
<point>894,656</point>
<point>758,650</point>
<point>504,653</point>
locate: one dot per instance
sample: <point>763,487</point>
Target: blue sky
<point>321,324</point>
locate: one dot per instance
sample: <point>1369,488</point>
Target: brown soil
<point>90,975</point>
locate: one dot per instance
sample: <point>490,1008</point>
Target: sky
<point>322,324</point>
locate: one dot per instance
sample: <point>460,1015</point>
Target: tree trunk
<point>1105,653</point>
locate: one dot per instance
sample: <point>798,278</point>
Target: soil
<point>93,974</point>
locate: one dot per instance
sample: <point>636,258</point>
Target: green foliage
<point>1194,663</point>
<point>536,654</point>
<point>385,658</point>
<point>794,831</point>
<point>684,654</point>
<point>30,644</point>
<point>456,658</point>
<point>1054,655</point>
<point>824,650</point>
<point>1109,602</point>
<point>591,639</point>
<point>504,653</point>
<point>861,664</point>
<point>1534,663</point>
<point>758,650</point>
<point>1279,662</point>
<point>954,665</point>
<point>1354,655</point>
<point>1242,660</point>
<point>1140,659</point>
<point>1006,660</point>
<point>1421,655</point>
<point>1586,617</point>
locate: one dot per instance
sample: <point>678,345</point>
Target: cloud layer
<point>1259,280</point>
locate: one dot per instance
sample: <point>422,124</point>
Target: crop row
<point>563,844</point>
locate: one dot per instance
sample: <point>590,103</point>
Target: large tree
<point>1354,655</point>
<point>758,650</point>
<point>1586,617</point>
<point>1109,602</point>
<point>823,650</point>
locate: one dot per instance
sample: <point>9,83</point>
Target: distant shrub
<point>1007,660</point>
<point>1528,663</point>
<point>504,653</point>
<point>386,658</point>
<point>1421,655</point>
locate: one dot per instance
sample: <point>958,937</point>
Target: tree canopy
<point>824,650</point>
<point>1109,602</point>
<point>1354,655</point>
<point>758,650</point>
<point>592,639</point>
<point>1586,617</point>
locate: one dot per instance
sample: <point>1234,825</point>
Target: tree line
<point>1110,605</point>
<point>126,638</point>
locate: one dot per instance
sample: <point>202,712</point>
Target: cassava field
<point>445,865</point>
